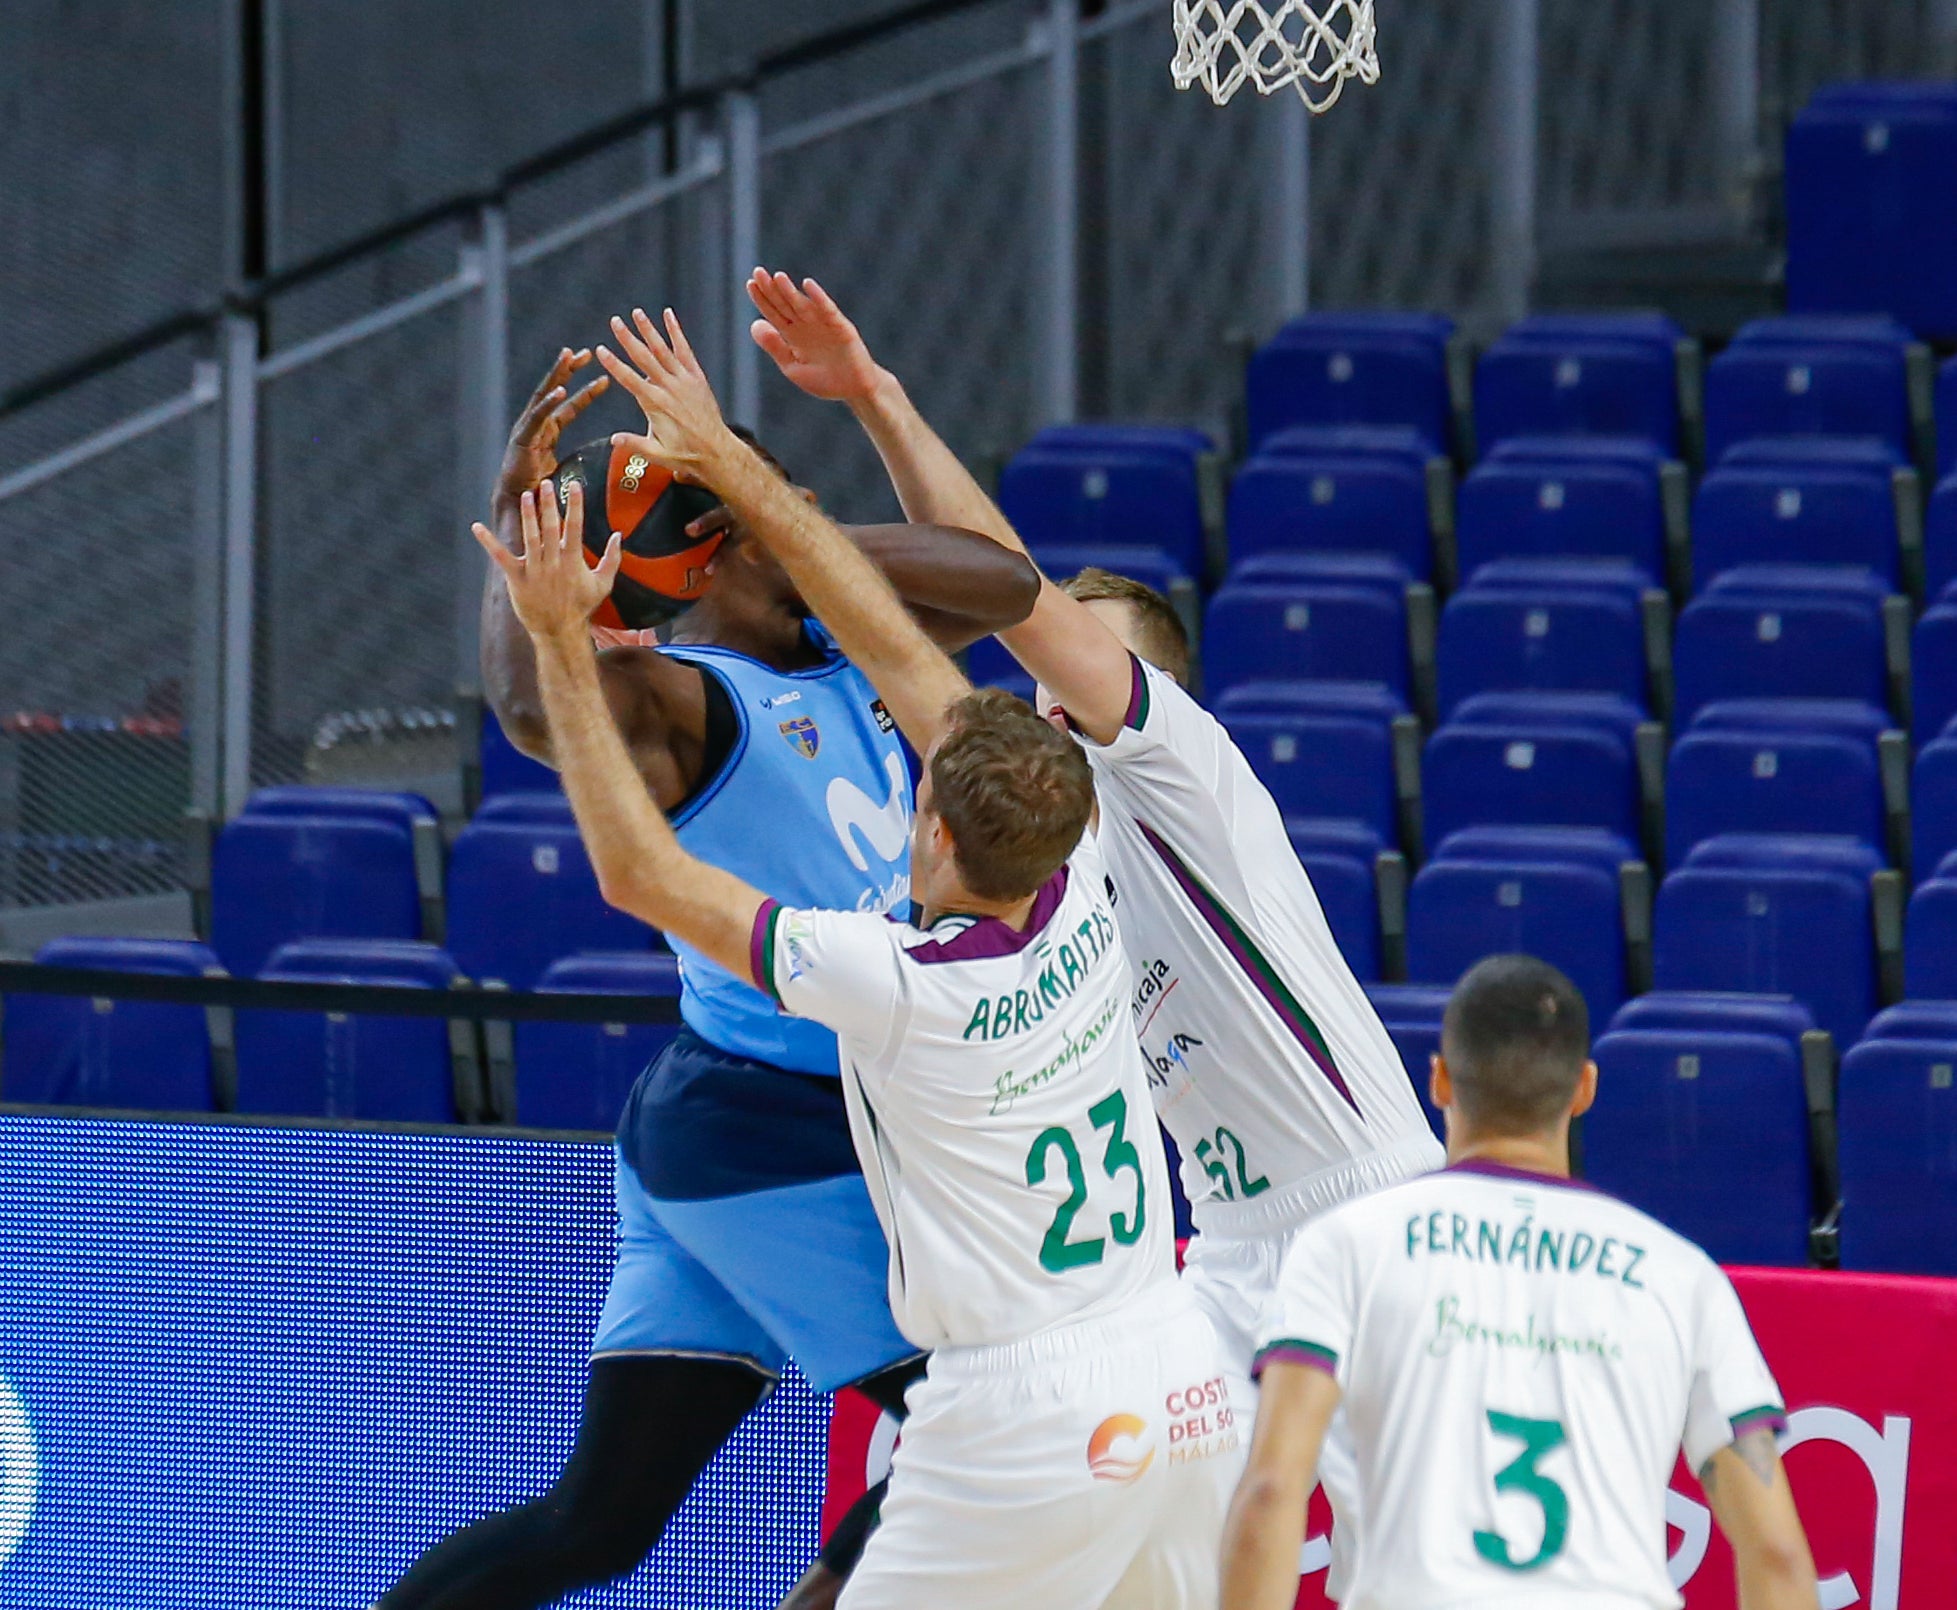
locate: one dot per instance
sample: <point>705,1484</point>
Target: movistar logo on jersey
<point>1524,1245</point>
<point>1064,965</point>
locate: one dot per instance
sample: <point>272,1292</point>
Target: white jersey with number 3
<point>1269,1065</point>
<point>998,1102</point>
<point>1521,1359</point>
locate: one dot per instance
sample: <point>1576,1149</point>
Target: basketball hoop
<point>1222,43</point>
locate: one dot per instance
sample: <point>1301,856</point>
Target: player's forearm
<point>933,486</point>
<point>640,865</point>
<point>1780,1585</point>
<point>1261,1542</point>
<point>849,595</point>
<point>508,660</point>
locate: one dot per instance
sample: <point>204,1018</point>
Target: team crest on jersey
<point>801,732</point>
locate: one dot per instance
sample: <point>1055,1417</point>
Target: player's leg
<point>677,1364</point>
<point>1230,1280</point>
<point>822,1584</point>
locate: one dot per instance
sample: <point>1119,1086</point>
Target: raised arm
<point>640,865</point>
<point>1746,1485</point>
<point>1061,642</point>
<point>1266,1528</point>
<point>685,432</point>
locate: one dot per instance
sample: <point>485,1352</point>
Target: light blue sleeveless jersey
<point>812,807</point>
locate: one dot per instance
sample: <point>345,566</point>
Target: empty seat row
<point>107,1053</point>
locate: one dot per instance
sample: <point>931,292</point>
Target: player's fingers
<point>658,341</point>
<point>550,534</point>
<point>824,302</point>
<point>766,290</point>
<point>573,535</point>
<point>644,392</point>
<point>582,399</point>
<point>771,341</point>
<point>651,363</point>
<point>682,348</point>
<point>527,508</point>
<point>715,519</point>
<point>500,556</point>
<point>530,420</point>
<point>791,296</point>
<point>614,556</point>
<point>554,376</point>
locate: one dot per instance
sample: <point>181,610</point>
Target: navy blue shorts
<point>744,1227</point>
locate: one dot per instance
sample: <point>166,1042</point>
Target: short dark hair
<point>761,452</point>
<point>1014,793</point>
<point>1515,1038</point>
<point>1164,638</point>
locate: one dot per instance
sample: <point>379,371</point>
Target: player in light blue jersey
<point>746,1235</point>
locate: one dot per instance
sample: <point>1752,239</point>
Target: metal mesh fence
<point>1807,43</point>
<point>1627,108</point>
<point>1180,223</point>
<point>916,221</point>
<point>357,448</point>
<point>1402,176</point>
<point>96,643</point>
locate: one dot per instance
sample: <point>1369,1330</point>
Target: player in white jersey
<point>1270,1067</point>
<point>1519,1357</point>
<point>1072,1443</point>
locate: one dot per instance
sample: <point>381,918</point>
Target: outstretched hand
<point>809,338</point>
<point>684,429</point>
<point>531,454</point>
<point>552,589</point>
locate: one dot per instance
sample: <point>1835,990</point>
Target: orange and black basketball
<point>662,569</point>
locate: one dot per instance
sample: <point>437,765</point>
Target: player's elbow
<point>1010,589</point>
<point>1780,1558</point>
<point>623,885</point>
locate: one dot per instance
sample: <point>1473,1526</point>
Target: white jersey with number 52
<point>998,1102</point>
<point>1269,1065</point>
<point>1521,1359</point>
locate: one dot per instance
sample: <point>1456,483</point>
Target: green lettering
<point>1459,1226</point>
<point>981,1016</point>
<point>1070,965</point>
<point>1019,1012</point>
<point>1413,1232</point>
<point>1489,1242</point>
<point>1550,1246</point>
<point>1581,1246</point>
<point>1637,1257</point>
<point>1002,1017</point>
<point>1603,1258</point>
<point>1519,1245</point>
<point>1434,1243</point>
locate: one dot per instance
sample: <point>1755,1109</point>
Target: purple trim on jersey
<point>761,949</point>
<point>1504,1171</point>
<point>1253,965</point>
<point>989,937</point>
<point>1768,1417</point>
<point>1137,695</point>
<point>1292,1351</point>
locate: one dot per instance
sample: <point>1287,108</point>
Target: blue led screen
<point>267,1366</point>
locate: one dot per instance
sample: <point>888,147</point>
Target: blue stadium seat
<point>1692,1010</point>
<point>1871,199</point>
<point>524,806</point>
<point>72,1050</point>
<point>1459,912</point>
<point>1847,582</point>
<point>521,896</point>
<point>1514,640</point>
<point>1946,406</point>
<point>1806,934</point>
<point>1851,718</point>
<point>1410,1003</point>
<point>1940,524</point>
<point>1105,498</point>
<point>1096,436</point>
<point>1736,782</point>
<point>1401,444</point>
<point>1315,835</point>
<point>1345,889</point>
<point>1898,1106</point>
<point>1866,455</point>
<point>1746,645</point>
<point>1933,806</point>
<point>361,804</point>
<point>1326,503</point>
<point>505,768</point>
<point>1509,509</point>
<point>1614,578</point>
<point>1933,670</point>
<point>1797,852</point>
<point>1354,369</point>
<point>350,1065</point>
<point>1576,846</point>
<point>577,1075</point>
<point>1291,755</point>
<point>1748,514</point>
<point>1762,389</point>
<point>1608,713</point>
<point>1527,776</point>
<point>283,877</point>
<point>1374,700</point>
<point>1877,330</point>
<point>1707,1131</point>
<point>1656,331</point>
<point>1930,942</point>
<point>1303,631</point>
<point>1629,452</point>
<point>1153,567</point>
<point>1914,1020</point>
<point>1582,386</point>
<point>1376,572</point>
<point>1411,1015</point>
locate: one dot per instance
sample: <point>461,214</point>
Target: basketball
<point>662,569</point>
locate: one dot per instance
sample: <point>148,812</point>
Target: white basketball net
<point>1221,44</point>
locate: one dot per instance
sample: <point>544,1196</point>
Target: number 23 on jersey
<point>1059,1252</point>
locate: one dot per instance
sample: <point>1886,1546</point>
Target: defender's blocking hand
<point>531,453</point>
<point>684,428</point>
<point>552,589</point>
<point>813,344</point>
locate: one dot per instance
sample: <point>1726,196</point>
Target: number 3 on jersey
<point>1058,1254</point>
<point>1539,1439</point>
